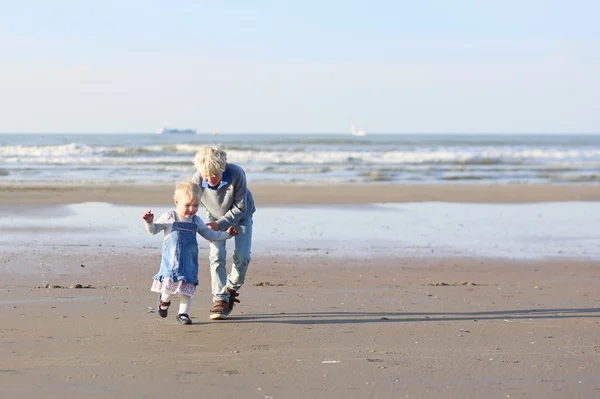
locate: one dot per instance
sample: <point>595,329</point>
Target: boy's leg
<point>218,272</point>
<point>241,255</point>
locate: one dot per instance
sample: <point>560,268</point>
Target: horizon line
<point>208,133</point>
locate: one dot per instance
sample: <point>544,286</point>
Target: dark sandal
<point>161,304</point>
<point>183,318</point>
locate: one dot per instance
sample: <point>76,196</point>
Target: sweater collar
<point>225,180</point>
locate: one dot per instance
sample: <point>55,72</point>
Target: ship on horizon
<point>356,132</point>
<point>166,130</point>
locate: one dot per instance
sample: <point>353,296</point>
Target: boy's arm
<point>238,208</point>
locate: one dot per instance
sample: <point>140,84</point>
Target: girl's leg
<point>165,297</point>
<point>185,303</point>
<point>163,304</point>
<point>184,307</point>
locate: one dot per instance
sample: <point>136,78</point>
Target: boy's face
<point>185,206</point>
<point>212,179</point>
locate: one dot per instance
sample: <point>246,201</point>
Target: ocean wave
<point>49,150</point>
<point>478,156</point>
<point>96,160</point>
<point>579,178</point>
<point>128,151</point>
<point>314,158</point>
<point>413,157</point>
<point>306,169</point>
<point>377,176</point>
<point>469,177</point>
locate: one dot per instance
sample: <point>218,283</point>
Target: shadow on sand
<point>408,317</point>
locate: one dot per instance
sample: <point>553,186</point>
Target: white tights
<point>185,302</point>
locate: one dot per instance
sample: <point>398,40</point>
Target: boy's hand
<point>213,226</point>
<point>148,216</point>
<point>232,231</point>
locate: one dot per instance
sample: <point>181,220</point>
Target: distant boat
<point>356,132</point>
<point>166,130</point>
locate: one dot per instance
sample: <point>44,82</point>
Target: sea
<point>82,159</point>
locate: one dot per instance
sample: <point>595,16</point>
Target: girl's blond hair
<point>188,188</point>
<point>210,160</point>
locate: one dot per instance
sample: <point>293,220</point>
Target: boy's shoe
<point>183,318</point>
<point>232,299</point>
<point>219,310</point>
<point>163,312</point>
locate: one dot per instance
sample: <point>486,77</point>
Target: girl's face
<point>212,180</point>
<point>185,206</point>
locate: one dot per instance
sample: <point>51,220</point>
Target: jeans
<point>241,258</point>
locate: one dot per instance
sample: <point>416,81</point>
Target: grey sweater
<point>231,201</point>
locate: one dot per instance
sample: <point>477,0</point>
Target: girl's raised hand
<point>148,216</point>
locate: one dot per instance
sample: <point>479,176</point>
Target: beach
<point>286,194</point>
<point>369,291</point>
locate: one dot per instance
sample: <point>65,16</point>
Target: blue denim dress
<point>180,254</point>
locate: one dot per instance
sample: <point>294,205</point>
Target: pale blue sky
<point>300,66</point>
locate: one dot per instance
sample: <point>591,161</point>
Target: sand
<point>307,326</point>
<point>294,195</point>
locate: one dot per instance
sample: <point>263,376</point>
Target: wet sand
<point>307,326</point>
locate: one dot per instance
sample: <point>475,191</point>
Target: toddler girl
<point>178,272</point>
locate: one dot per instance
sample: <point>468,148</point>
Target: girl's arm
<point>211,235</point>
<point>158,226</point>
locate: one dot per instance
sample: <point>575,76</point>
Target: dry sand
<point>296,195</point>
<point>307,327</point>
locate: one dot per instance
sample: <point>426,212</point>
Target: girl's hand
<point>232,231</point>
<point>148,216</point>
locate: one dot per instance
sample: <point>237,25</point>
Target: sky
<point>293,66</point>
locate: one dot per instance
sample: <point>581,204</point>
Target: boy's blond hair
<point>210,160</point>
<point>188,188</point>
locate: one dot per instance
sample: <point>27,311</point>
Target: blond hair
<point>211,160</point>
<point>188,188</point>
